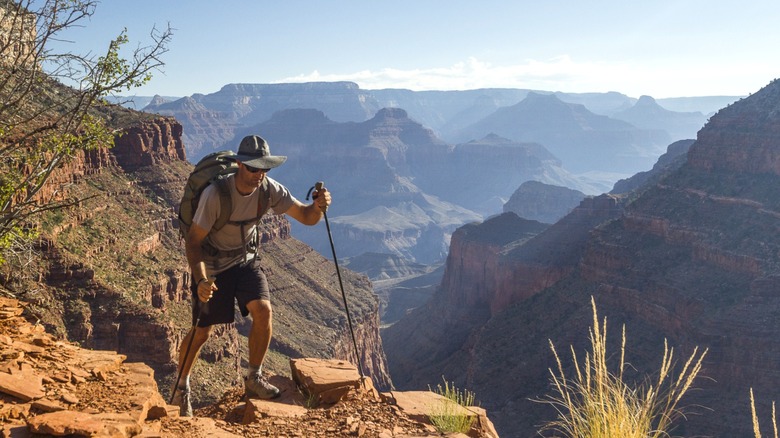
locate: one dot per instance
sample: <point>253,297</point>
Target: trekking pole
<point>318,187</point>
<point>187,351</point>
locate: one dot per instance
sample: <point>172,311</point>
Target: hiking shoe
<point>257,386</point>
<point>181,398</point>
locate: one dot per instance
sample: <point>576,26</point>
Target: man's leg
<point>181,396</point>
<point>201,335</point>
<point>259,341</point>
<point>261,332</point>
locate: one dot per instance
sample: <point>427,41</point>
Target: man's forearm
<point>312,214</point>
<point>195,260</point>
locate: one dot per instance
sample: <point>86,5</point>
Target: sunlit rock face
<point>692,259</point>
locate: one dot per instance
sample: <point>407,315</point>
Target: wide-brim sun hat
<point>255,152</point>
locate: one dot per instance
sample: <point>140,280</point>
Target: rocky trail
<point>50,387</point>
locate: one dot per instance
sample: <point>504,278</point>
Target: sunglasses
<point>255,169</point>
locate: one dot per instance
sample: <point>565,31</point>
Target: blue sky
<point>660,48</point>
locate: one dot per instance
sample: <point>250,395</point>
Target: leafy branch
<point>50,101</point>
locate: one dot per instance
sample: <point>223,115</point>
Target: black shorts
<point>242,283</point>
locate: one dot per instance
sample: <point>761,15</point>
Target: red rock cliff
<point>149,143</point>
<point>114,275</point>
<point>499,273</point>
<point>491,267</point>
<point>693,260</point>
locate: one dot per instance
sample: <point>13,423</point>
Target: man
<point>223,263</point>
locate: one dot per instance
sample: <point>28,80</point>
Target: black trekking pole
<point>318,187</point>
<point>189,346</point>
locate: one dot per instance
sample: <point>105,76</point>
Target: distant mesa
<point>543,202</point>
<point>648,114</point>
<point>583,140</point>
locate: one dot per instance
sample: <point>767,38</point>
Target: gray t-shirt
<point>228,238</point>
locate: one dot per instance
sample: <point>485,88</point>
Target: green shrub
<point>450,416</point>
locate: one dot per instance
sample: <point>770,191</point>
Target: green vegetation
<point>107,226</point>
<point>597,403</point>
<point>44,124</point>
<point>451,416</point>
<point>309,400</point>
<point>756,426</point>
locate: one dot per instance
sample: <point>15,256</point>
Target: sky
<point>661,48</point>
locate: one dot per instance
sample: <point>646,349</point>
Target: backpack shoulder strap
<point>225,203</point>
<point>263,199</point>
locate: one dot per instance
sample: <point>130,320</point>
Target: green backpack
<point>213,169</point>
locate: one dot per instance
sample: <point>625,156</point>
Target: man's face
<point>250,175</point>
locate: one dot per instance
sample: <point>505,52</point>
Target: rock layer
<point>113,275</point>
<point>490,267</point>
<point>54,388</point>
<point>692,260</point>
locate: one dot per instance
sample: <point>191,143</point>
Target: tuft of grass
<point>756,427</point>
<point>597,403</point>
<point>309,400</point>
<point>450,416</point>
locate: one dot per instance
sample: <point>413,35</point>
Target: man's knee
<point>260,310</point>
<point>201,334</point>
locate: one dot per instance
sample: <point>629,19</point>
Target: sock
<point>184,383</point>
<point>258,370</point>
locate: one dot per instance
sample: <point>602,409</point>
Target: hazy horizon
<point>662,49</point>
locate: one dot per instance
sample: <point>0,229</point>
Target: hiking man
<point>224,265</point>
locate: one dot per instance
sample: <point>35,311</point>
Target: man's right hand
<point>206,289</point>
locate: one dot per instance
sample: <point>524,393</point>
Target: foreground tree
<point>49,102</point>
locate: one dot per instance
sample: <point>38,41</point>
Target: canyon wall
<point>691,259</point>
<point>214,120</point>
<point>113,276</point>
<point>149,143</point>
<point>490,267</point>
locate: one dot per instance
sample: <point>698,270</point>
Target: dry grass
<point>756,427</point>
<point>597,403</point>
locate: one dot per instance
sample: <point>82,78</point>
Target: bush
<point>450,416</point>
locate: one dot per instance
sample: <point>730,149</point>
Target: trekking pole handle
<point>317,186</point>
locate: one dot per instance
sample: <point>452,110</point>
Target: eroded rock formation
<point>490,267</point>
<point>543,202</point>
<point>113,276</point>
<point>50,387</point>
<point>149,143</point>
<point>693,260</point>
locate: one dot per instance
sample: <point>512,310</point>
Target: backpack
<point>214,169</point>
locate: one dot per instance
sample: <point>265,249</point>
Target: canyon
<point>212,120</point>
<point>111,274</point>
<point>398,189</point>
<point>689,258</point>
<point>685,253</point>
<point>416,165</point>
